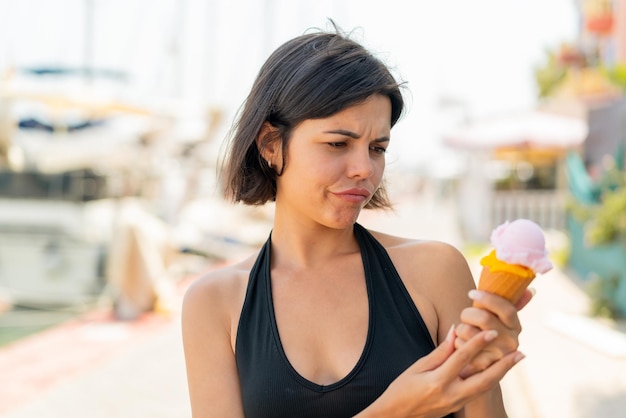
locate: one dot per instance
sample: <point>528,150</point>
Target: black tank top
<point>397,337</point>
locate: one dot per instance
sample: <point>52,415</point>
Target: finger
<point>465,331</point>
<point>526,297</point>
<point>480,319</point>
<point>499,306</point>
<point>468,371</point>
<point>458,343</point>
<point>486,379</point>
<point>438,356</point>
<point>508,338</point>
<point>483,360</point>
<point>462,357</point>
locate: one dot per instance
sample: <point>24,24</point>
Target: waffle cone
<point>506,284</point>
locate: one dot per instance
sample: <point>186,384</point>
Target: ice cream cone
<point>519,254</point>
<point>509,285</point>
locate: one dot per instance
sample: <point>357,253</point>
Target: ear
<point>269,145</point>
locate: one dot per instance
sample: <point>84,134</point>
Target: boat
<point>67,156</point>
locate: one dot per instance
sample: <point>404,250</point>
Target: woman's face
<point>334,165</point>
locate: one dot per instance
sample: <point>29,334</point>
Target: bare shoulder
<point>436,275</point>
<point>217,283</point>
<point>218,294</point>
<point>436,256</point>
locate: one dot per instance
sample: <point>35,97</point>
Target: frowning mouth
<point>356,194</point>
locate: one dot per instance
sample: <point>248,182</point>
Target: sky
<point>461,59</point>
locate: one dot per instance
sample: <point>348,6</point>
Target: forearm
<point>489,405</point>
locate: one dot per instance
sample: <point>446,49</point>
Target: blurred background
<point>112,115</point>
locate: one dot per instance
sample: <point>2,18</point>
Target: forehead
<point>373,114</point>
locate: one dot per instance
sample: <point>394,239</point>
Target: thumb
<point>438,356</point>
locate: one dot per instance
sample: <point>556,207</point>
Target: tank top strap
<point>388,289</point>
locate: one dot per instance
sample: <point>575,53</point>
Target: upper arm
<point>210,361</point>
<point>451,280</point>
<point>456,284</point>
<point>455,280</point>
<point>438,278</point>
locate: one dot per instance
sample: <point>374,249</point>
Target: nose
<point>360,164</point>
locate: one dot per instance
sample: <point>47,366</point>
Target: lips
<point>356,194</point>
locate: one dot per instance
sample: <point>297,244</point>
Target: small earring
<point>269,163</point>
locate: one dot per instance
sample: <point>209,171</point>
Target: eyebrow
<point>354,135</point>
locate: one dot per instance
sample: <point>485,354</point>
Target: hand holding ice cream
<point>519,254</point>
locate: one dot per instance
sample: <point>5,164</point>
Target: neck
<point>299,246</point>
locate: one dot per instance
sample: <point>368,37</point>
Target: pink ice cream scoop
<point>521,242</point>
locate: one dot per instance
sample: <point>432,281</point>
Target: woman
<point>330,319</point>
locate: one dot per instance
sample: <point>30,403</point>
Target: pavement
<point>95,366</point>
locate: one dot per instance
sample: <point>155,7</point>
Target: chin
<point>343,223</point>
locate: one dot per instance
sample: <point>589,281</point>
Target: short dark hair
<point>312,76</point>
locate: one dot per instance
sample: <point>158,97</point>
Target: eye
<point>378,150</point>
<point>337,144</point>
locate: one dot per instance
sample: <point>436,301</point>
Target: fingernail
<point>450,335</point>
<point>519,357</point>
<point>474,294</point>
<point>532,290</point>
<point>491,335</point>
